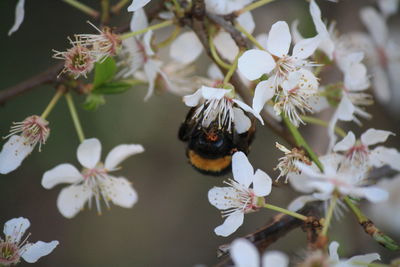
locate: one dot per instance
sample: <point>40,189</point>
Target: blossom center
<point>9,253</point>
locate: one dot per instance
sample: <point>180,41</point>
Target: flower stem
<point>232,69</point>
<point>118,6</point>
<point>75,117</point>
<point>323,123</point>
<point>179,10</point>
<point>249,36</point>
<point>254,6</point>
<point>105,11</point>
<point>53,102</point>
<point>152,27</point>
<point>84,8</point>
<point>171,38</point>
<point>214,52</point>
<point>301,142</point>
<point>329,215</point>
<point>288,212</point>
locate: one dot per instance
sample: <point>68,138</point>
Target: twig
<point>50,75</point>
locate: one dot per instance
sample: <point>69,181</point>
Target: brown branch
<point>46,77</point>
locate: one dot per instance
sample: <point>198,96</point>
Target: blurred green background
<point>172,223</point>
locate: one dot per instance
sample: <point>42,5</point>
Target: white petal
<point>246,21</point>
<point>382,155</point>
<point>346,143</point>
<point>193,99</point>
<point>120,153</point>
<point>215,73</point>
<point>264,91</point>
<point>306,47</point>
<point>120,191</point>
<point>14,151</point>
<point>151,69</point>
<point>213,93</point>
<point>186,48</point>
<point>244,253</point>
<point>381,85</point>
<point>254,63</point>
<point>373,136</point>
<point>72,199</point>
<point>89,152</point>
<point>367,258</point>
<point>296,36</point>
<point>300,201</point>
<point>15,228</point>
<point>333,247</point>
<point>221,197</point>
<point>247,108</point>
<point>323,187</point>
<point>33,252</point>
<point>226,46</point>
<point>375,194</point>
<point>308,170</point>
<point>316,17</point>
<point>356,78</point>
<point>241,168</point>
<point>375,24</point>
<point>300,182</point>
<point>139,21</point>
<point>63,173</point>
<point>19,16</point>
<point>275,259</point>
<point>231,224</point>
<point>241,121</point>
<point>279,39</point>
<point>136,4</point>
<point>345,109</point>
<point>147,43</point>
<point>262,184</point>
<point>388,7</point>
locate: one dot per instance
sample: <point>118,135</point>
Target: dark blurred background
<point>172,223</point>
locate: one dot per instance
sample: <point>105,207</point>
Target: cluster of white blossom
<point>282,72</point>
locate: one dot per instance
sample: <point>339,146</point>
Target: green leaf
<point>116,87</point>
<point>104,72</point>
<point>93,101</point>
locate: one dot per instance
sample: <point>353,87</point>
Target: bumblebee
<point>210,149</point>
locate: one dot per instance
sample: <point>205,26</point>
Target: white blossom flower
<point>356,80</point>
<point>13,247</point>
<point>137,4</point>
<point>78,60</point>
<point>137,54</point>
<point>383,56</point>
<point>336,179</point>
<point>32,131</point>
<point>101,45</point>
<point>386,213</point>
<point>320,258</point>
<point>239,198</point>
<point>359,155</point>
<point>94,180</point>
<point>19,16</point>
<point>254,63</point>
<point>219,104</point>
<point>223,7</point>
<point>245,254</point>
<point>354,261</point>
<point>287,163</point>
